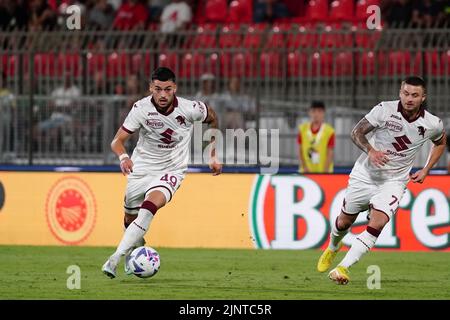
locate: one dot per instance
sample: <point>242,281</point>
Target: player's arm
<point>436,152</point>
<point>118,147</point>
<point>358,135</point>
<point>213,122</point>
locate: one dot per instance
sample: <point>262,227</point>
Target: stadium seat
<point>192,65</point>
<point>317,10</point>
<point>445,62</point>
<point>142,63</point>
<point>320,64</point>
<point>343,63</point>
<point>342,10</point>
<point>276,36</point>
<point>302,36</point>
<point>212,64</point>
<point>364,37</point>
<point>216,11</point>
<point>271,64</point>
<point>204,37</point>
<point>432,63</point>
<point>296,64</point>
<point>230,37</point>
<point>253,36</point>
<point>170,60</point>
<point>95,62</point>
<point>361,9</point>
<point>400,63</point>
<point>44,64</point>
<point>243,64</point>
<point>68,64</point>
<point>332,36</point>
<point>226,68</point>
<point>240,11</point>
<point>117,65</point>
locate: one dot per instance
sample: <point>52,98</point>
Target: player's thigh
<point>357,197</point>
<point>387,198</point>
<point>135,193</point>
<point>167,183</point>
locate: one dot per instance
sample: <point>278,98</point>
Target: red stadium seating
<point>270,64</point>
<point>216,11</point>
<point>445,62</point>
<point>230,37</point>
<point>365,38</point>
<point>212,64</point>
<point>192,65</point>
<point>142,63</point>
<point>96,63</point>
<point>302,37</point>
<point>276,36</point>
<point>44,64</point>
<point>68,64</point>
<point>240,11</point>
<point>342,10</point>
<point>205,36</point>
<point>321,64</point>
<point>432,63</point>
<point>400,63</point>
<point>297,64</point>
<point>332,36</point>
<point>317,10</point>
<point>170,60</point>
<point>118,65</point>
<point>243,64</point>
<point>361,9</point>
<point>254,35</point>
<point>343,62</point>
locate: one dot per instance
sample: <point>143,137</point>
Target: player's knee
<point>378,219</point>
<point>344,221</point>
<point>128,219</point>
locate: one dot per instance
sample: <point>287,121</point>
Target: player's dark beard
<point>163,110</point>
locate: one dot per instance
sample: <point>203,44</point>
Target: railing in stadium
<point>281,69</point>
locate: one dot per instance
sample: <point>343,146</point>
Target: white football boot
<point>110,266</point>
<point>140,243</point>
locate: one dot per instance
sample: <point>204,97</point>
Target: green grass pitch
<point>40,273</point>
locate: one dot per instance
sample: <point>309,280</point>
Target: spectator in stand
<point>20,14</point>
<point>238,107</point>
<point>156,8</point>
<point>101,16</point>
<point>7,110</point>
<point>175,16</point>
<point>132,15</point>
<point>269,11</point>
<point>398,13</point>
<point>427,13</point>
<point>42,17</point>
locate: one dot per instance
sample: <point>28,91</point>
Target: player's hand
<point>418,176</point>
<point>378,158</point>
<point>215,167</point>
<point>126,165</point>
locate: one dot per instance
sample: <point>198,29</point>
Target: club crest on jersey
<point>421,131</point>
<point>181,120</point>
<point>394,126</point>
<point>154,123</point>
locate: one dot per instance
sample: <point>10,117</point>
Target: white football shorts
<point>139,187</point>
<point>382,196</point>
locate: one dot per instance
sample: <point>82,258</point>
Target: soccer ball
<point>144,262</point>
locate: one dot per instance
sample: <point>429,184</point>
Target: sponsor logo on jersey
<point>70,210</point>
<point>181,120</point>
<point>154,123</point>
<point>395,117</point>
<point>394,126</point>
<point>421,131</point>
<point>401,144</point>
<point>152,114</point>
<point>396,153</point>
